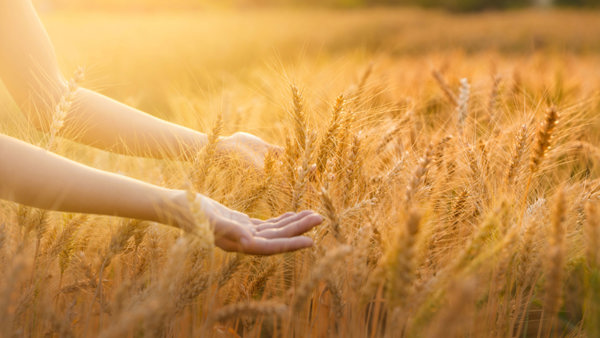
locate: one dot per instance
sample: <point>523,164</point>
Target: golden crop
<point>455,159</point>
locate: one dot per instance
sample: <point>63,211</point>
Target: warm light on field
<point>458,174</point>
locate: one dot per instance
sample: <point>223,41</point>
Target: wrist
<point>199,141</point>
<point>179,208</point>
<point>174,208</point>
<point>191,145</point>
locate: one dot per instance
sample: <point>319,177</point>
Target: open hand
<point>236,231</point>
<point>248,147</point>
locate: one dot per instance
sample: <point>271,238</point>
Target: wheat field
<point>455,159</point>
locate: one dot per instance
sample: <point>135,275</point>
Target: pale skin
<point>39,178</point>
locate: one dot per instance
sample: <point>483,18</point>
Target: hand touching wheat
<point>250,148</point>
<point>236,231</point>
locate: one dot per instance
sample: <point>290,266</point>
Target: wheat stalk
<point>400,262</point>
<point>555,259</point>
<point>592,234</point>
<point>255,309</point>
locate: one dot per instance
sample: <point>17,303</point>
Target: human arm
<point>38,178</point>
<point>29,69</point>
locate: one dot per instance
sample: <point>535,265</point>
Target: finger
<point>282,216</point>
<point>264,246</point>
<point>257,221</point>
<point>293,229</point>
<point>284,220</point>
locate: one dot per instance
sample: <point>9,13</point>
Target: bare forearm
<point>29,69</point>
<point>35,177</point>
<point>38,178</point>
<point>28,65</point>
<point>104,123</point>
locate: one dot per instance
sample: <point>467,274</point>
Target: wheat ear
<point>299,119</point>
<point>200,226</point>
<point>521,142</point>
<point>205,158</point>
<point>321,271</point>
<point>329,140</point>
<point>544,135</point>
<point>332,215</point>
<point>353,168</point>
<point>362,83</point>
<point>541,146</point>
<point>493,103</point>
<point>439,78</point>
<point>418,176</point>
<point>300,185</point>
<point>462,108</point>
<point>64,106</point>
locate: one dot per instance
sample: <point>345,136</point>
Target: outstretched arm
<point>29,69</point>
<point>38,178</point>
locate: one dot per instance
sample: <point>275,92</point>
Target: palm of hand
<point>235,231</point>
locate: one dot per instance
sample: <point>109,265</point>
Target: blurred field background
<point>454,5</point>
<point>446,215</point>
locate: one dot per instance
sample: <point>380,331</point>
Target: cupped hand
<point>236,231</point>
<point>248,147</point>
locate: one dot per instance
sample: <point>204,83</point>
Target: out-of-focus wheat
<point>424,234</point>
